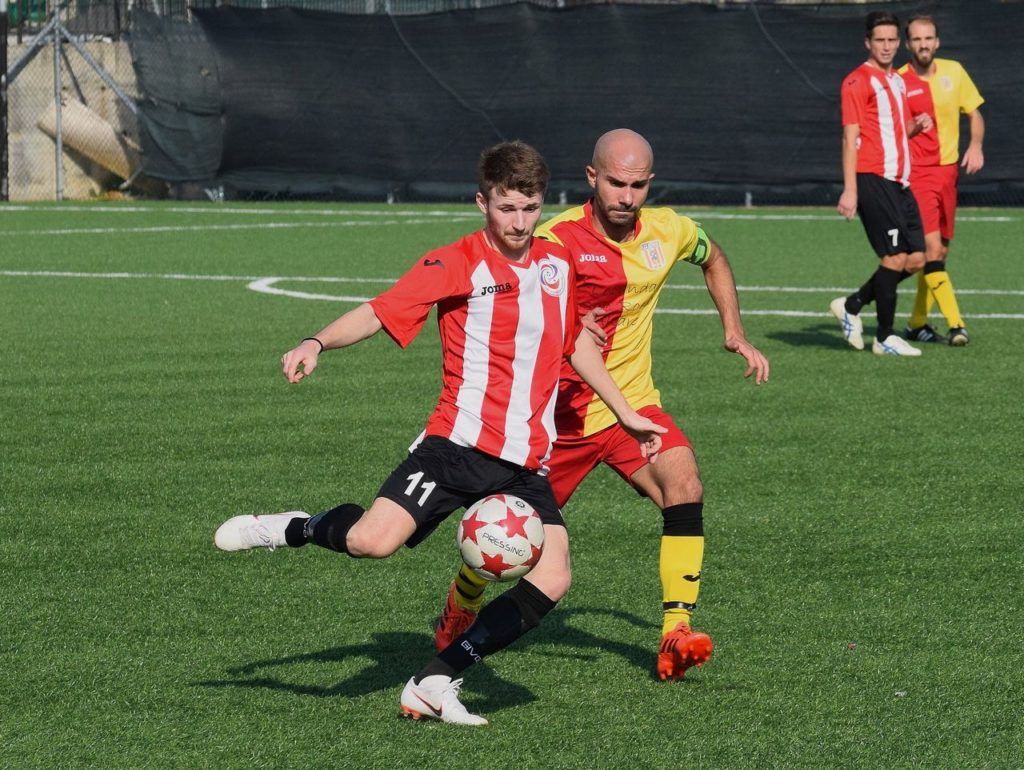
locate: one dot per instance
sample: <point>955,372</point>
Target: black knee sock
<point>886,281</point>
<point>500,623</point>
<point>328,529</point>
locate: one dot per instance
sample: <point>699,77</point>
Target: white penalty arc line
<point>266,285</point>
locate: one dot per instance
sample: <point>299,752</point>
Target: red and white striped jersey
<point>505,328</point>
<point>877,103</point>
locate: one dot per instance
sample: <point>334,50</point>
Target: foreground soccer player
<point>507,316</point>
<point>622,255</point>
<point>942,89</point>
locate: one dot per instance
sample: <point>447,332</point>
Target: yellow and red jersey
<point>944,95</point>
<point>624,279</point>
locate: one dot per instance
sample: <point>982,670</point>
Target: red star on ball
<point>495,564</point>
<point>535,557</point>
<point>470,525</point>
<point>514,525</point>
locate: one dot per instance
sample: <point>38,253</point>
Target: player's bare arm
<point>588,363</point>
<point>354,326</point>
<point>590,323</point>
<point>974,158</point>
<point>721,285</point>
<point>848,200</point>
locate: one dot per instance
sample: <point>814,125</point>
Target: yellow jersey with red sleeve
<point>625,280</point>
<point>944,95</point>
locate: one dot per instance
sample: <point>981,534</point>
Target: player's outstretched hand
<point>646,432</point>
<point>757,364</point>
<point>590,323</point>
<point>300,361</point>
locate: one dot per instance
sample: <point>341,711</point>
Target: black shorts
<point>890,215</point>
<point>440,476</point>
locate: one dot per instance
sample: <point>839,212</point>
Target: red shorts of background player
<point>934,189</point>
<point>572,459</point>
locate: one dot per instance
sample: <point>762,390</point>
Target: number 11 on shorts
<point>414,481</point>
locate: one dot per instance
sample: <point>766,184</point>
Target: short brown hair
<point>513,166</point>
<point>925,19</point>
<point>879,19</point>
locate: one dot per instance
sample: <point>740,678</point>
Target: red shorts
<point>573,458</point>
<point>934,189</point>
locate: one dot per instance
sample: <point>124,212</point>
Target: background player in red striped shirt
<point>622,255</point>
<point>507,317</point>
<point>942,89</point>
<point>876,181</point>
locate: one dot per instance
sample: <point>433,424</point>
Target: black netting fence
<point>367,99</point>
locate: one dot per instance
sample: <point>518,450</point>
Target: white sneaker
<point>240,533</point>
<point>853,327</point>
<point>894,346</point>
<point>437,697</point>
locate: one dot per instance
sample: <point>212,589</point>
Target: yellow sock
<point>922,303</point>
<point>469,589</point>
<point>942,289</point>
<point>680,563</point>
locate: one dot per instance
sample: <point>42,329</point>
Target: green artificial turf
<point>862,579</point>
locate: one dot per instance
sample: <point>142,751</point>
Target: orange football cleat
<point>680,649</point>
<point>453,621</point>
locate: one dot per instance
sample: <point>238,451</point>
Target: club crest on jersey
<point>653,255</point>
<point>551,279</point>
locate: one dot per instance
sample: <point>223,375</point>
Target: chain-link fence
<point>71,128</point>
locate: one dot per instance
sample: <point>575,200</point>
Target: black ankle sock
<point>330,528</point>
<point>865,295</point>
<point>294,533</point>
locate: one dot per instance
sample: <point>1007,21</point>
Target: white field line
<point>204,228</point>
<point>268,212</point>
<point>429,214</point>
<point>267,285</point>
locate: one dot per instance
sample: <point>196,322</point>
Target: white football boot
<point>853,326</point>
<point>894,346</point>
<point>437,697</point>
<point>240,533</point>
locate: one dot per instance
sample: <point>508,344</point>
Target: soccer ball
<point>501,537</point>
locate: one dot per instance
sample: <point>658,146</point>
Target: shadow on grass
<point>391,662</point>
<point>820,335</point>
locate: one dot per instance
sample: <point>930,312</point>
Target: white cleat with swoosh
<point>437,697</point>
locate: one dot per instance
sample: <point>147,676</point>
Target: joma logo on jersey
<point>594,258</point>
<point>498,288</point>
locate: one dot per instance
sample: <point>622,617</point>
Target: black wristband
<point>314,339</point>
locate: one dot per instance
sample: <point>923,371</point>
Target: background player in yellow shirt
<point>942,89</point>
<point>622,255</point>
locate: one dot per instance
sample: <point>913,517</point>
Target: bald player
<point>622,255</point>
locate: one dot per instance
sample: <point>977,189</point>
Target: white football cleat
<point>240,533</point>
<point>437,697</point>
<point>853,327</point>
<point>894,346</point>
